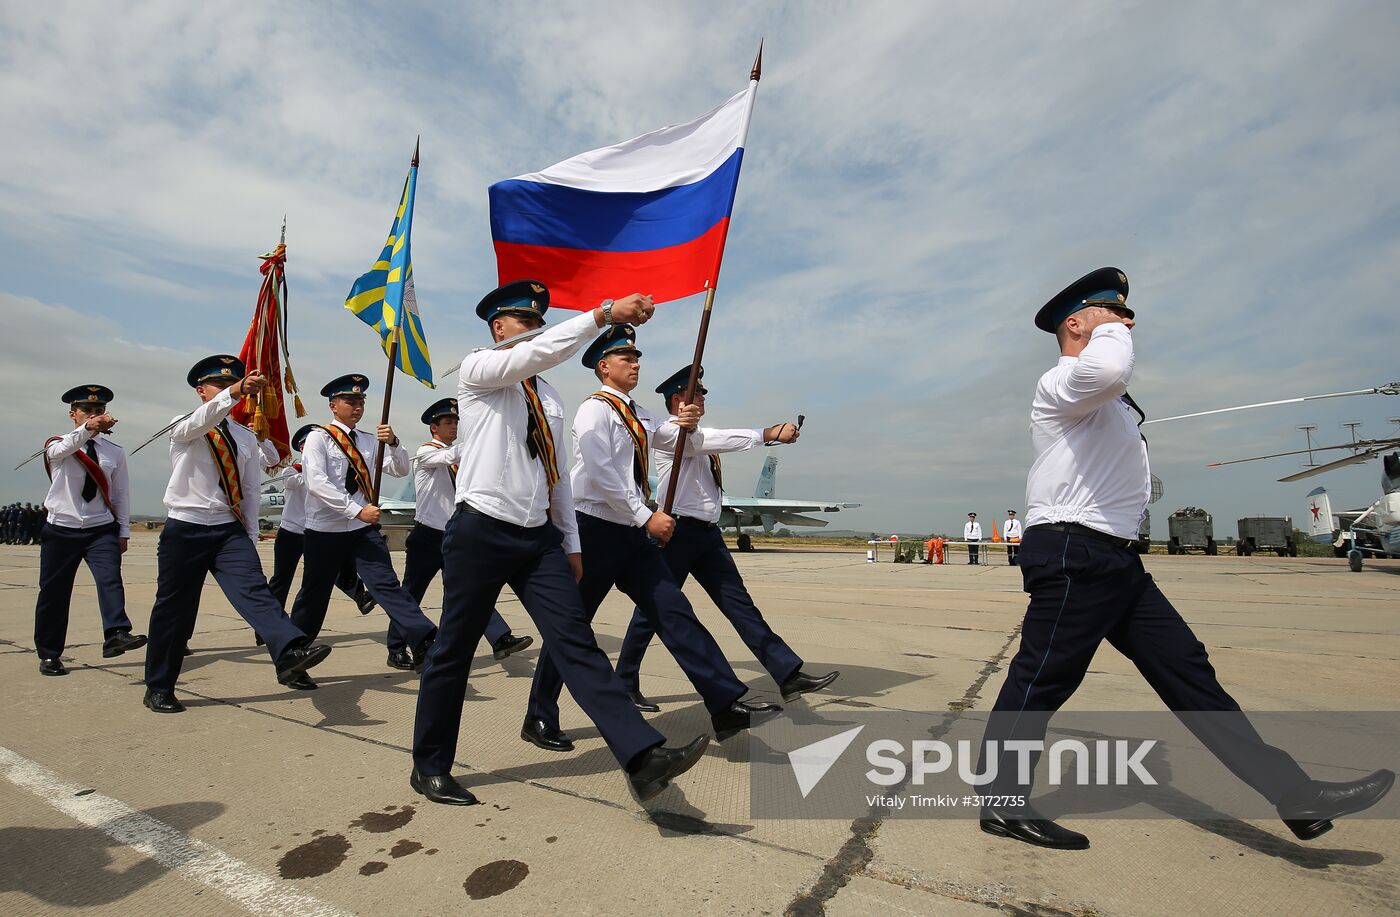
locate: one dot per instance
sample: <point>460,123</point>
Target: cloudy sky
<point>919,179</point>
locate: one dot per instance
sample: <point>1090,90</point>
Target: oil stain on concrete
<point>314,858</point>
<point>495,878</point>
<point>391,819</point>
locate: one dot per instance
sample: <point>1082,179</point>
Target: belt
<point>468,508</point>
<point>1074,528</point>
<point>699,522</point>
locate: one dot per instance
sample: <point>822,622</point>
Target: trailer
<point>1266,533</point>
<point>1190,527</point>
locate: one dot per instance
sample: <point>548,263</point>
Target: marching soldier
<point>514,524</point>
<point>435,490</point>
<point>697,548</point>
<point>212,527</point>
<point>972,534</point>
<point>1011,531</point>
<point>1085,495</point>
<point>291,539</point>
<point>342,522</point>
<point>612,438</point>
<point>89,520</point>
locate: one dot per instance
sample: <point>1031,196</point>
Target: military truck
<point>1266,533</point>
<point>1190,527</point>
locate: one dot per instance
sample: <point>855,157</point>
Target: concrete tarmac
<point>264,800</point>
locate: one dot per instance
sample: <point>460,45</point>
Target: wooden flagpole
<point>393,349</point>
<point>679,454</point>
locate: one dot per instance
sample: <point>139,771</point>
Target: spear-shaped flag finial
<point>284,229</point>
<point>757,70</point>
<point>415,151</point>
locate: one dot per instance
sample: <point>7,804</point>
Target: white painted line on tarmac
<point>189,858</point>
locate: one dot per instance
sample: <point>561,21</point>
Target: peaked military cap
<point>352,384</point>
<point>447,407</point>
<point>87,394</point>
<point>299,437</point>
<point>221,367</point>
<point>616,338</point>
<point>521,297</point>
<point>1107,286</point>
<point>678,380</point>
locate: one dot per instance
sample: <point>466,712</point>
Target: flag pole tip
<point>757,70</point>
<point>415,150</point>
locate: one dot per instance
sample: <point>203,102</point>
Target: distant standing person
<point>972,533</point>
<point>89,522</point>
<point>1011,531</point>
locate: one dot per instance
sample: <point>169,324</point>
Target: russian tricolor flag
<point>648,215</point>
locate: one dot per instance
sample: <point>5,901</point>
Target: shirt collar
<point>342,426</point>
<point>623,395</point>
<point>1066,361</point>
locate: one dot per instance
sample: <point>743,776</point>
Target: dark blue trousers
<point>325,554</point>
<point>286,554</point>
<point>698,549</point>
<point>623,556</point>
<point>1084,591</point>
<point>481,554</point>
<point>422,562</point>
<point>186,554</point>
<point>61,549</point>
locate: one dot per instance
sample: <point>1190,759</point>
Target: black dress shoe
<point>639,700</point>
<point>509,645</point>
<point>739,715</point>
<point>401,659</point>
<point>548,737</point>
<point>258,640</point>
<point>298,659</point>
<point>188,651</point>
<point>1309,810</point>
<point>162,701</point>
<point>653,770</point>
<point>52,667</point>
<point>420,652</point>
<point>1027,825</point>
<point>301,682</point>
<point>444,789</point>
<point>800,682</point>
<point>365,602</point>
<point>120,642</point>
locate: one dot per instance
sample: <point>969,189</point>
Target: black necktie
<point>90,485</point>
<point>1128,400</point>
<point>352,480</point>
<point>228,437</point>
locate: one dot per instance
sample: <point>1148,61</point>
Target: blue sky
<point>919,179</point>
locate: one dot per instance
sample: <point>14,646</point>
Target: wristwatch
<point>606,306</point>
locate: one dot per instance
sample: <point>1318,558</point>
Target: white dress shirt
<point>193,494</point>
<point>65,502</point>
<point>698,496</point>
<point>324,465</point>
<point>294,501</point>
<point>497,474</point>
<point>270,456</point>
<point>604,456</point>
<point>972,531</point>
<point>1090,462</point>
<point>433,486</point>
<point>1012,529</point>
